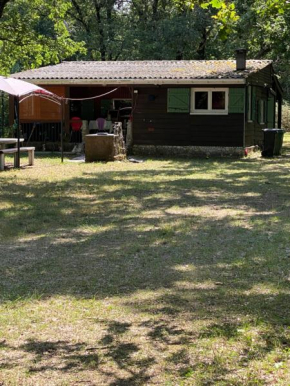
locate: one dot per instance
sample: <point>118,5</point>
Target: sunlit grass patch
<point>168,272</point>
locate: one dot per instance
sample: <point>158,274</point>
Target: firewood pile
<point>119,144</point>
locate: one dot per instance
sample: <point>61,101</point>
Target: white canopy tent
<point>20,89</point>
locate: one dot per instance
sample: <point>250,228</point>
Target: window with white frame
<point>209,101</point>
<point>249,104</point>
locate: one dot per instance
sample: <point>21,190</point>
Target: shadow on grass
<point>206,246</point>
<point>62,356</point>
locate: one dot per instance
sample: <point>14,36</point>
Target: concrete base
<point>189,151</point>
<point>99,147</point>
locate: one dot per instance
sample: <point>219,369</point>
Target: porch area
<point>88,110</point>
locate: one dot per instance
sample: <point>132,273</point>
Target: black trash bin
<point>273,141</point>
<point>279,141</point>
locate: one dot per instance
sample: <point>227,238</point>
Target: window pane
<point>201,102</point>
<point>218,100</point>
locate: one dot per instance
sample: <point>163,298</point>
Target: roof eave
<point>278,85</point>
<point>132,82</point>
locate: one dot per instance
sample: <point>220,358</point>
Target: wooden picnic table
<point>9,141</point>
<point>14,151</point>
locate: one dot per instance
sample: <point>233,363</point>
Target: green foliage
<point>274,7</point>
<point>34,34</point>
<point>140,30</point>
<point>224,13</point>
<point>38,33</point>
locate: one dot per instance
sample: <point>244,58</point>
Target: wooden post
<point>279,111</point>
<point>16,101</point>
<point>2,162</point>
<point>31,157</point>
<point>2,114</point>
<point>11,110</point>
<point>66,111</point>
<point>61,127</point>
<point>134,104</point>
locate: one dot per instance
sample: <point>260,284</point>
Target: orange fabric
<point>38,109</point>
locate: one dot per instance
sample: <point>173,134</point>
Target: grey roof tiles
<point>143,70</point>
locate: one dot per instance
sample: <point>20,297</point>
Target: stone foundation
<point>189,151</point>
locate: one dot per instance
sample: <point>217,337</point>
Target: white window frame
<point>209,110</point>
<point>250,109</point>
<point>120,99</point>
<point>262,112</point>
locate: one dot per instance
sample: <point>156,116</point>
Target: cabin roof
<point>155,69</point>
<point>145,71</point>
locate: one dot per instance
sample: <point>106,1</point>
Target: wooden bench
<point>3,152</point>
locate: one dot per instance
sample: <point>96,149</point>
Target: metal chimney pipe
<point>241,59</point>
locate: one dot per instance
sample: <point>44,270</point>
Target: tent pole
<point>61,128</point>
<point>2,114</point>
<point>16,101</point>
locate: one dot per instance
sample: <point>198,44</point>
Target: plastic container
<point>273,142</point>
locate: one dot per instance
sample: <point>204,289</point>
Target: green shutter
<point>178,100</point>
<point>254,105</point>
<point>270,112</point>
<point>236,100</point>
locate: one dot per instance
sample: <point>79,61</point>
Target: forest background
<point>35,33</point>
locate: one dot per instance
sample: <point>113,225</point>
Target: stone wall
<point>188,151</point>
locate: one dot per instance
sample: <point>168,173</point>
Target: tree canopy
<point>36,32</point>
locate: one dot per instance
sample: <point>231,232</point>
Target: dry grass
<point>170,272</point>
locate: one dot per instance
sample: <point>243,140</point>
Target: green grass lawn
<point>169,272</point>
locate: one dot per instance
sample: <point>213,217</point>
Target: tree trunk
<point>2,6</point>
<point>202,45</point>
<point>101,30</point>
<point>155,9</point>
<point>179,55</point>
<point>110,29</point>
<point>80,16</point>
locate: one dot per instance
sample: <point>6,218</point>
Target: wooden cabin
<point>186,107</point>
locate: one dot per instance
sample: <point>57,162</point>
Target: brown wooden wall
<point>253,130</point>
<point>91,91</point>
<point>152,125</point>
<point>36,108</point>
<point>262,77</point>
<point>253,133</point>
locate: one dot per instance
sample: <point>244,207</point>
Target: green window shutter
<point>270,112</point>
<point>254,105</point>
<point>236,100</point>
<point>178,100</point>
